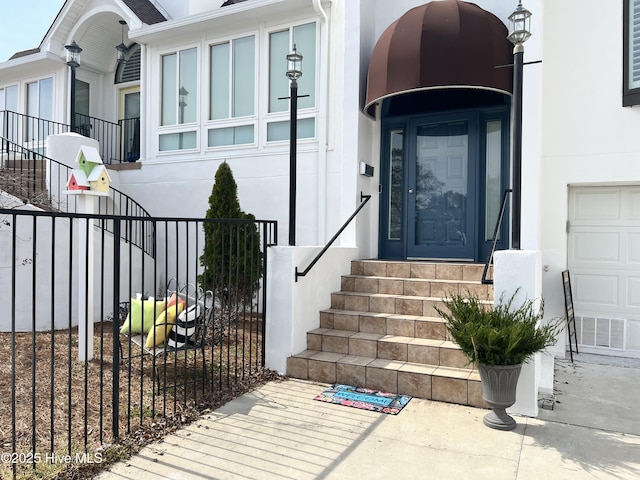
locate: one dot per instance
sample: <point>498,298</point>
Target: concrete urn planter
<point>499,391</point>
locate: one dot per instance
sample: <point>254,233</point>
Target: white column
<point>86,204</point>
<point>521,270</point>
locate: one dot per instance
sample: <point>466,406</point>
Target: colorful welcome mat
<point>364,398</point>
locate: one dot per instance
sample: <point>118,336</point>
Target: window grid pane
<point>243,76</point>
<point>188,102</point>
<point>277,131</point>
<point>241,135</point>
<point>304,37</point>
<point>169,89</point>
<point>278,83</point>
<point>177,141</point>
<point>219,83</point>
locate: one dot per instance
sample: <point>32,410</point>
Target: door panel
<point>440,186</point>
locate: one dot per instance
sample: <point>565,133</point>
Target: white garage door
<point>604,263</point>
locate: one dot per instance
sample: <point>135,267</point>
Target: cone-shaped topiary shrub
<point>231,259</point>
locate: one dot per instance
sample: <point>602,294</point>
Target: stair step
<point>432,382</point>
<point>384,323</point>
<point>414,286</point>
<point>388,303</point>
<point>418,269</point>
<point>439,352</point>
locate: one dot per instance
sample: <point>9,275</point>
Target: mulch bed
<point>144,414</point>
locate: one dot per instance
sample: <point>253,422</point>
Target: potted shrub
<point>498,339</point>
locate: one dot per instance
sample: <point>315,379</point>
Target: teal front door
<point>442,179</point>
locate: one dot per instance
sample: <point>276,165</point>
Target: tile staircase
<point>383,332</point>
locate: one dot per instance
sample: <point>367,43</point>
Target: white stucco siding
<point>587,136</point>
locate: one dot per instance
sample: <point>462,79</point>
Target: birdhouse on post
<point>77,181</point>
<point>99,179</point>
<point>87,158</point>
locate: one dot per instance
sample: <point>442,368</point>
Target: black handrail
<point>26,177</point>
<point>363,199</point>
<point>489,261</point>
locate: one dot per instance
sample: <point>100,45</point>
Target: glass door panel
<point>395,185</point>
<point>130,124</point>
<point>441,192</point>
<point>392,198</point>
<point>493,176</point>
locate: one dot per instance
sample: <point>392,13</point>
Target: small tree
<point>232,259</point>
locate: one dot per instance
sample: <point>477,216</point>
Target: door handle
<point>411,190</point>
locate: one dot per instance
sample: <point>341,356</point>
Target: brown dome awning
<point>443,44</point>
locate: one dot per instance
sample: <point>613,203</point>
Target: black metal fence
<point>78,371</point>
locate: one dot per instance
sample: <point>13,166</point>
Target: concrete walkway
<point>280,432</point>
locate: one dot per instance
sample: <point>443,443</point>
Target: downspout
<point>323,126</point>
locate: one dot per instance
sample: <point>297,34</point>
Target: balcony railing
<point>118,142</point>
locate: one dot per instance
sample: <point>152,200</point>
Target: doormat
<point>364,398</point>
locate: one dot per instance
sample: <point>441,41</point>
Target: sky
<point>24,23</point>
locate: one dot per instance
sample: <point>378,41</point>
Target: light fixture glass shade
<point>294,64</point>
<point>73,54</point>
<point>122,53</point>
<point>520,25</point>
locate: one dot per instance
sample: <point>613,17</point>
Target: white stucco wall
<point>587,137</point>
<point>519,273</point>
<point>293,307</point>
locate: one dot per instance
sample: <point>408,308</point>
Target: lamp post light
<point>294,72</point>
<point>520,32</point>
<point>73,61</point>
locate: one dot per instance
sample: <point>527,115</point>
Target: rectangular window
<point>277,131</point>
<point>179,91</point>
<point>232,79</point>
<point>631,53</point>
<point>178,141</point>
<point>220,137</point>
<point>280,43</point>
